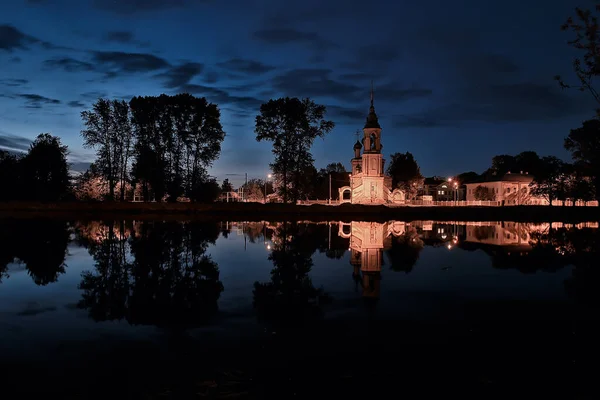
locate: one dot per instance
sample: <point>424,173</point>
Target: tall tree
<point>108,130</point>
<point>547,182</point>
<point>586,38</point>
<point>226,186</point>
<point>9,176</point>
<point>584,145</point>
<point>405,173</point>
<point>291,125</point>
<point>177,139</point>
<point>45,169</point>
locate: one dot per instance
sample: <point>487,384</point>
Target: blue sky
<point>455,82</point>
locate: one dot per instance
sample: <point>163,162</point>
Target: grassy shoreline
<point>258,211</point>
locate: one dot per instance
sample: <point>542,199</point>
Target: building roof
<point>357,145</point>
<point>372,121</point>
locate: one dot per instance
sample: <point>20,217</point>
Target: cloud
<point>69,64</point>
<point>36,100</point>
<point>498,103</point>
<point>94,95</point>
<point>222,97</point>
<point>181,74</point>
<point>314,82</point>
<point>346,114</point>
<point>13,82</point>
<point>76,104</point>
<point>379,53</point>
<point>13,39</point>
<point>129,62</point>
<point>138,6</point>
<point>279,36</point>
<point>124,37</point>
<point>13,142</point>
<point>249,67</point>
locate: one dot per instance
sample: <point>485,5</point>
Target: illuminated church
<point>368,183</point>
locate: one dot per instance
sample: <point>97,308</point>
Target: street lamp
<point>268,177</point>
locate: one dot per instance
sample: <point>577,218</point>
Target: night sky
<point>456,82</point>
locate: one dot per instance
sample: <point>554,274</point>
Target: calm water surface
<point>73,291</point>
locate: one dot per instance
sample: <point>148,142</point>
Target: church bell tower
<point>372,157</point>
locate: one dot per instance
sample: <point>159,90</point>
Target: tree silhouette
<point>587,39</point>
<point>584,145</point>
<point>405,173</point>
<point>108,130</point>
<point>10,174</point>
<point>177,139</point>
<point>45,170</point>
<point>547,182</point>
<point>291,125</point>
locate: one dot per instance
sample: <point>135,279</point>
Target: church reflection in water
<point>368,240</point>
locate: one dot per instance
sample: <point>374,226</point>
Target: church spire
<point>372,121</point>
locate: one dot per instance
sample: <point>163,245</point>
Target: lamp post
<point>266,180</point>
<point>455,193</point>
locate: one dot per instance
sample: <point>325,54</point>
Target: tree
<point>90,185</point>
<point>587,40</point>
<point>108,130</point>
<point>291,125</point>
<point>226,186</point>
<point>9,176</point>
<point>584,145</point>
<point>467,177</point>
<point>484,193</point>
<point>546,182</point>
<point>405,173</point>
<point>177,139</point>
<point>45,169</point>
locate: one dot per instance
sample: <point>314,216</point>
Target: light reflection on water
<point>97,280</point>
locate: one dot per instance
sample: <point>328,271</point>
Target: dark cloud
<point>250,67</point>
<point>379,53</point>
<point>181,74</point>
<point>124,37</point>
<point>13,82</point>
<point>394,92</point>
<point>314,82</point>
<point>210,76</point>
<point>357,76</point>
<point>36,100</point>
<point>129,62</point>
<point>120,36</point>
<point>136,6</point>
<point>13,39</point>
<point>94,95</point>
<point>80,166</point>
<point>346,114</point>
<point>8,141</point>
<point>15,60</point>
<point>76,104</point>
<point>291,36</point>
<point>221,97</point>
<point>70,64</point>
<point>516,102</point>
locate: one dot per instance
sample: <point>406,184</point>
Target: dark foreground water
<point>186,309</point>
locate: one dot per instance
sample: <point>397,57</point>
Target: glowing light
<point>269,176</point>
<point>449,247</point>
<point>268,247</point>
<point>449,179</point>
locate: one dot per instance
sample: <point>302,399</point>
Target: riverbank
<point>258,211</point>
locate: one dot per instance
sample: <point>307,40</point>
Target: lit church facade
<point>368,183</point>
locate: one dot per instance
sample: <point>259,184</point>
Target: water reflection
<point>162,273</point>
<point>39,245</point>
<point>151,273</point>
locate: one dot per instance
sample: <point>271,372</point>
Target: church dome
<point>357,145</point>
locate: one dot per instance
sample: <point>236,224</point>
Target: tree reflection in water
<point>404,250</point>
<point>40,245</point>
<point>152,273</point>
<point>290,298</point>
